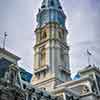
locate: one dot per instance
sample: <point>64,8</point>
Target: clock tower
<point>51,52</point>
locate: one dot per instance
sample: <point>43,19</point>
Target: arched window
<point>43,57</point>
<point>43,35</point>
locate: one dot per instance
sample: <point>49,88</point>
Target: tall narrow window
<point>43,57</point>
<point>61,35</point>
<point>62,54</point>
<point>43,36</point>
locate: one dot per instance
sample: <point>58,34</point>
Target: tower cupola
<point>51,11</point>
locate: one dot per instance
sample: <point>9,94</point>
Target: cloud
<point>18,19</point>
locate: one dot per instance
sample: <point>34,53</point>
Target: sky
<point>18,19</point>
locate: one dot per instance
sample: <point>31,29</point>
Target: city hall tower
<point>51,52</point>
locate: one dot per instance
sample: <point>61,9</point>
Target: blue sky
<point>18,19</point>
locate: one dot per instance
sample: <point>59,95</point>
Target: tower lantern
<point>51,11</point>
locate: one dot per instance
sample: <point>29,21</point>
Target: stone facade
<point>51,59</point>
<point>12,87</point>
<point>51,51</point>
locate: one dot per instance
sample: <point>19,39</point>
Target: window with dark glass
<point>24,86</point>
<point>52,3</point>
<point>38,75</point>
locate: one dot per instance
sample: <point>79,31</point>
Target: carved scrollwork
<point>85,90</point>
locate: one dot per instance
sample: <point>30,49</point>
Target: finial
<point>89,54</point>
<point>4,39</point>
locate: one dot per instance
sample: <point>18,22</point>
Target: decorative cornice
<point>45,67</point>
<point>51,39</point>
<point>90,68</point>
<point>49,24</point>
<point>4,51</point>
<point>72,82</point>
